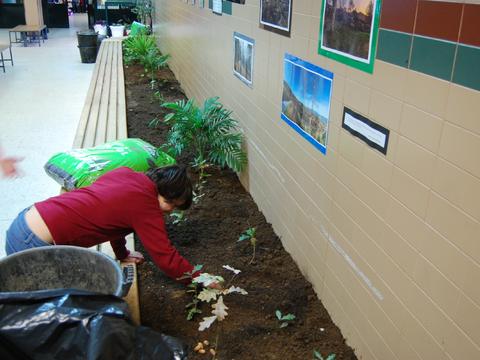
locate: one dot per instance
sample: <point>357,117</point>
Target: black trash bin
<point>87,44</point>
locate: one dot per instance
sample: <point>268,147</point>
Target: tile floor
<point>41,99</point>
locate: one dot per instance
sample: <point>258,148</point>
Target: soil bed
<point>209,236</point>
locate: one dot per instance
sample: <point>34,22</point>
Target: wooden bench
<point>4,47</point>
<point>104,119</point>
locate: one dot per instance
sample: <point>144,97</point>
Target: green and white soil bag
<point>81,167</point>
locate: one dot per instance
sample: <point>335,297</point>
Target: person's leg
<point>20,237</point>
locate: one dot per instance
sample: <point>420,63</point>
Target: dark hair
<point>173,183</point>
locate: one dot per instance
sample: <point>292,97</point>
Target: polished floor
<point>41,99</point>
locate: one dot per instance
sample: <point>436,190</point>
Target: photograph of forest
<point>243,57</point>
<point>306,97</point>
<point>348,28</point>
<point>276,13</point>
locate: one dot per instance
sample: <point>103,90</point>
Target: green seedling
<point>192,288</point>
<point>152,61</point>
<point>192,307</point>
<point>250,234</point>
<point>284,319</point>
<point>318,356</point>
<point>178,217</point>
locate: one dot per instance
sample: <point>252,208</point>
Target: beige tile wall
<point>390,243</point>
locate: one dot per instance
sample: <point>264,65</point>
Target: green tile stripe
<point>394,47</point>
<point>433,57</point>
<point>439,58</point>
<point>226,6</point>
<point>467,67</point>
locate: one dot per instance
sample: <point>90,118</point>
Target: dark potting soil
<point>209,237</point>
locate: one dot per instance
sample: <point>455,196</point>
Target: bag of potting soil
<point>137,28</point>
<point>81,167</point>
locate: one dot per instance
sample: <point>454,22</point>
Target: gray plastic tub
<point>63,267</point>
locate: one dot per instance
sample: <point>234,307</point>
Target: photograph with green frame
<point>349,30</point>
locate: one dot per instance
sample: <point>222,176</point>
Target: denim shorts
<point>20,237</point>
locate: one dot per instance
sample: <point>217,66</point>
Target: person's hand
<point>8,165</point>
<point>135,257</point>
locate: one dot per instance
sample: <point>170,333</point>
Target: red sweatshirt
<point>118,203</point>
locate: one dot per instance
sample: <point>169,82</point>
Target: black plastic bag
<point>74,324</point>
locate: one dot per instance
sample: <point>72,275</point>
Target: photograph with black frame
<point>243,55</point>
<point>276,16</point>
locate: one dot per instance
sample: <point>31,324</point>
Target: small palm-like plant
<point>137,47</point>
<point>210,132</point>
<point>152,61</point>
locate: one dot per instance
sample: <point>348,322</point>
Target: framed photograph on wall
<point>348,31</point>
<point>243,51</point>
<point>307,92</point>
<point>276,14</point>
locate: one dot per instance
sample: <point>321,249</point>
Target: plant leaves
<point>233,289</point>
<point>317,355</point>
<point>228,267</point>
<point>288,317</point>
<point>207,279</point>
<point>192,312</point>
<point>207,321</point>
<point>208,294</point>
<point>278,313</point>
<point>331,357</point>
<point>243,237</point>
<point>220,309</point>
<point>197,267</point>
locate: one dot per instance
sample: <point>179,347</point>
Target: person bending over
<point>118,203</point>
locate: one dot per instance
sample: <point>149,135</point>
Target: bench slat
<point>111,130</point>
<point>92,125</point>
<point>100,133</point>
<point>122,107</point>
<point>104,119</point>
<point>82,125</point>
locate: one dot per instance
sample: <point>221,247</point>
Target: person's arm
<point>153,235</point>
<point>125,255</point>
<point>119,248</point>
